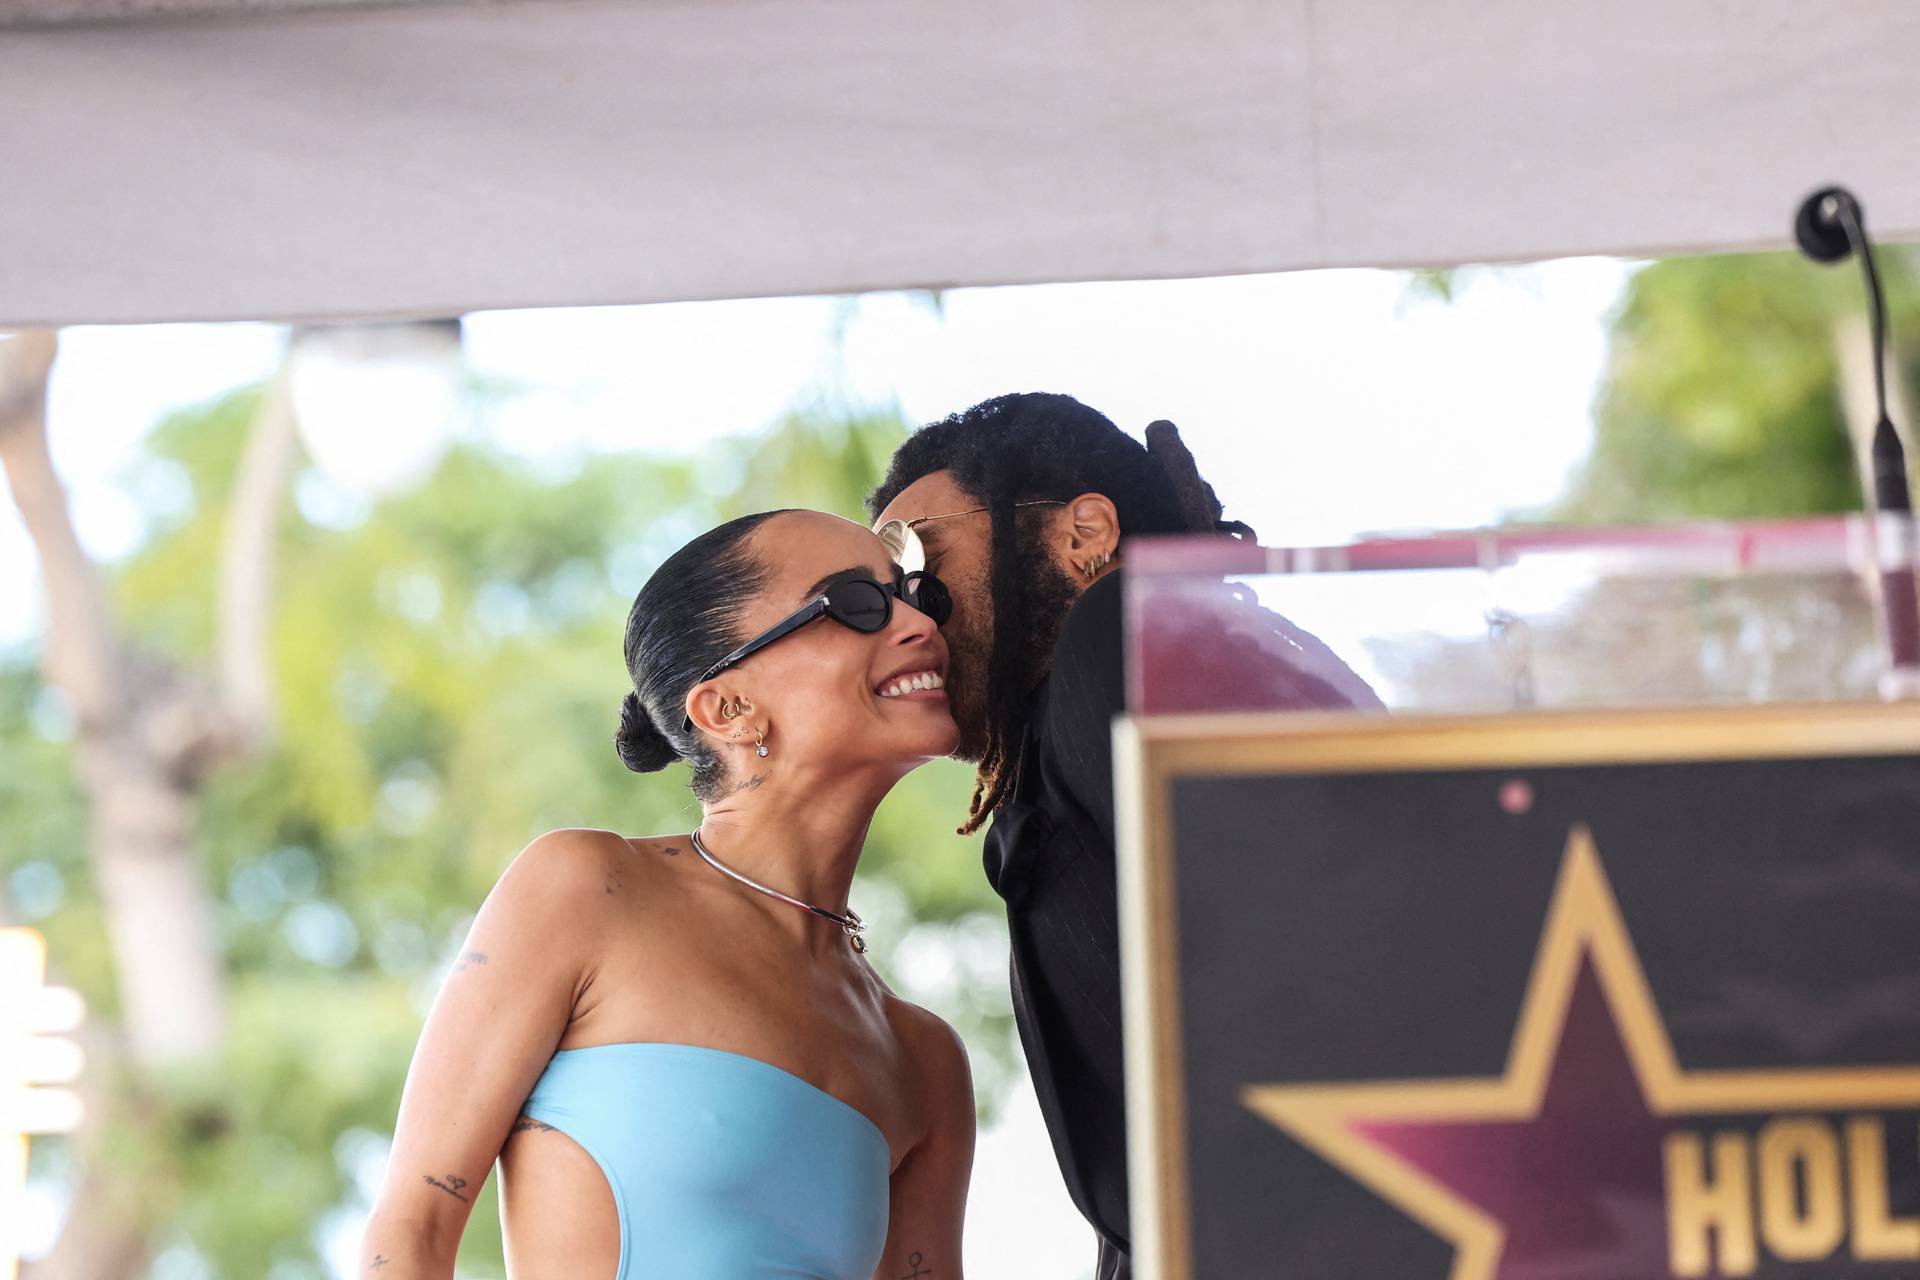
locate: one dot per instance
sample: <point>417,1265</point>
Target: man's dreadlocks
<point>1025,447</point>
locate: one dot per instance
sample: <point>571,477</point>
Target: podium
<point>1590,950</point>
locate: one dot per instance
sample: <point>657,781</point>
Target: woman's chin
<point>934,745</point>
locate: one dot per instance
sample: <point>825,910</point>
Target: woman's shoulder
<point>936,1072</point>
<point>582,864</point>
<point>565,852</point>
<point>932,1045</point>
<point>917,1024</point>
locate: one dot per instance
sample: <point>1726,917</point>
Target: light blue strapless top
<point>723,1167</point>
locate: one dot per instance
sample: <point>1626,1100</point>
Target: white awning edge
<point>453,157</point>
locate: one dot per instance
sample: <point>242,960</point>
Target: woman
<point>673,1044</point>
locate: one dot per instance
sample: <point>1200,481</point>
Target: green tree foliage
<point>448,672</point>
<point>1722,397</point>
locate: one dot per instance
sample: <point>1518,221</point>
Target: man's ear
<point>704,708</point>
<point>1092,529</point>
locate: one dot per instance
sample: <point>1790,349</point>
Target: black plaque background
<point>1373,926</point>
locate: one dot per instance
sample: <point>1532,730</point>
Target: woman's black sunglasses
<point>864,604</point>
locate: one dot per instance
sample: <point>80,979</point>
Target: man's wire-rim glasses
<point>904,544</point>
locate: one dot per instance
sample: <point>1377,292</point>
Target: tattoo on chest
<point>451,1186</point>
<point>918,1270</point>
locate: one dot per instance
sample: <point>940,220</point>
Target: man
<point>1021,504</point>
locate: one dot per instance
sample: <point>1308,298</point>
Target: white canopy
<point>262,158</point>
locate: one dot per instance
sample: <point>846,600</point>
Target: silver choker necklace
<point>849,923</point>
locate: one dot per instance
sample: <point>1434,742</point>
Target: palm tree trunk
<point>147,732</point>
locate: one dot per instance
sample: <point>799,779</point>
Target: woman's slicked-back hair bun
<point>643,748</point>
<point>682,622</point>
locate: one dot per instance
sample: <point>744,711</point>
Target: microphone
<point>1829,226</point>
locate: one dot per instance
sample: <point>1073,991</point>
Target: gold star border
<point>1583,919</point>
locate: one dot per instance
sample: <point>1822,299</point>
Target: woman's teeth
<point>909,684</point>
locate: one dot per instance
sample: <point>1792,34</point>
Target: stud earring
<point>760,743</point>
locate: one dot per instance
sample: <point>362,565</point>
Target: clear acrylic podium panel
<point>1767,611</point>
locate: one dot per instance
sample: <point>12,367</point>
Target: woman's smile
<point>924,685</point>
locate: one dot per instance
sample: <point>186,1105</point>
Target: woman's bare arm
<point>494,1025</point>
<point>928,1194</point>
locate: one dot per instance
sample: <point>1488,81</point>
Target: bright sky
<point>1321,405</point>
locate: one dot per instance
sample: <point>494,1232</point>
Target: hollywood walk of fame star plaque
<point>1599,996</point>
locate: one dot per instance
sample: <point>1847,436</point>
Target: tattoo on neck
<point>451,1186</point>
<point>750,783</point>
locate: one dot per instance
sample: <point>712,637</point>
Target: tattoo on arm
<point>526,1123</point>
<point>672,851</point>
<point>451,1186</point>
<point>379,1261</point>
<point>918,1269</point>
<point>470,958</point>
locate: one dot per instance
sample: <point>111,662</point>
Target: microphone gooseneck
<point>1830,225</point>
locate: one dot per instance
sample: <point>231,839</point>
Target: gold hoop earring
<point>729,710</point>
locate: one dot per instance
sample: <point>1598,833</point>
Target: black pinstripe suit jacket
<point>1049,854</point>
